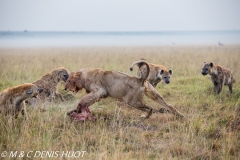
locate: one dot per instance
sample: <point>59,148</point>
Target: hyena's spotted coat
<point>12,99</point>
<point>219,75</point>
<point>49,83</point>
<point>157,73</point>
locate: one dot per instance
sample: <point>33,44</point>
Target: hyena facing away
<point>219,75</point>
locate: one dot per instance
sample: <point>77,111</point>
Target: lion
<point>219,75</point>
<point>157,73</point>
<point>49,83</point>
<point>12,99</point>
<point>100,84</point>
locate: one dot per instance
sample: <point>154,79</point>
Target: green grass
<point>210,130</point>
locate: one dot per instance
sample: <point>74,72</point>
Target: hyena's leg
<point>60,96</point>
<point>152,93</point>
<point>23,111</point>
<point>230,87</point>
<point>20,108</point>
<point>215,87</point>
<point>17,109</point>
<point>219,88</point>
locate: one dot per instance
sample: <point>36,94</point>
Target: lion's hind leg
<point>135,100</point>
<point>152,93</point>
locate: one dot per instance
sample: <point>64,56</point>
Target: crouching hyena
<point>157,73</point>
<point>219,75</point>
<point>49,83</point>
<point>12,99</point>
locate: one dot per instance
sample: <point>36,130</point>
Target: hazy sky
<point>119,15</point>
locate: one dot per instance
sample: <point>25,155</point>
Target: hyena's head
<point>61,74</point>
<point>73,82</point>
<point>165,75</point>
<point>27,90</point>
<point>207,68</point>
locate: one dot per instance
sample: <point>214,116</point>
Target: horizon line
<point>146,31</point>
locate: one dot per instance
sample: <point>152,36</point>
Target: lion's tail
<point>140,63</point>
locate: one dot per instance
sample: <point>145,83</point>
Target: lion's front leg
<point>152,93</point>
<point>82,112</point>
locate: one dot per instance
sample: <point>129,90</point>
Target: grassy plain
<point>210,131</point>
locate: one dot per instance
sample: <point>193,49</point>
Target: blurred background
<point>118,23</point>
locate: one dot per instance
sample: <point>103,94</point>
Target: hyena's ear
<point>58,71</point>
<point>162,71</point>
<point>204,63</point>
<point>170,71</point>
<point>30,91</point>
<point>211,64</point>
<point>77,74</point>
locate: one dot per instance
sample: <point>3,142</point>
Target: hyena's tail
<point>140,63</point>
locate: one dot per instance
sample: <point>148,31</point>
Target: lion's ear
<point>58,71</point>
<point>30,91</point>
<point>77,74</point>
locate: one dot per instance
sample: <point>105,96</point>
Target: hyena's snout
<point>167,80</point>
<point>204,71</point>
<point>65,77</point>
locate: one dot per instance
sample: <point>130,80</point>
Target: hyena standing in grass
<point>219,75</point>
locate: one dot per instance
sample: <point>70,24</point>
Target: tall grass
<point>210,131</point>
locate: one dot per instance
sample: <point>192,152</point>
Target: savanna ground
<point>211,129</point>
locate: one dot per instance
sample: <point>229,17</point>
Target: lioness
<point>157,73</point>
<point>101,84</point>
<point>49,83</point>
<point>12,99</point>
<point>219,75</point>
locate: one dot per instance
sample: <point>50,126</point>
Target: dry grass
<point>211,130</point>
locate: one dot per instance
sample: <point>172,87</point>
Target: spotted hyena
<point>219,75</point>
<point>12,99</point>
<point>49,83</point>
<point>157,73</point>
